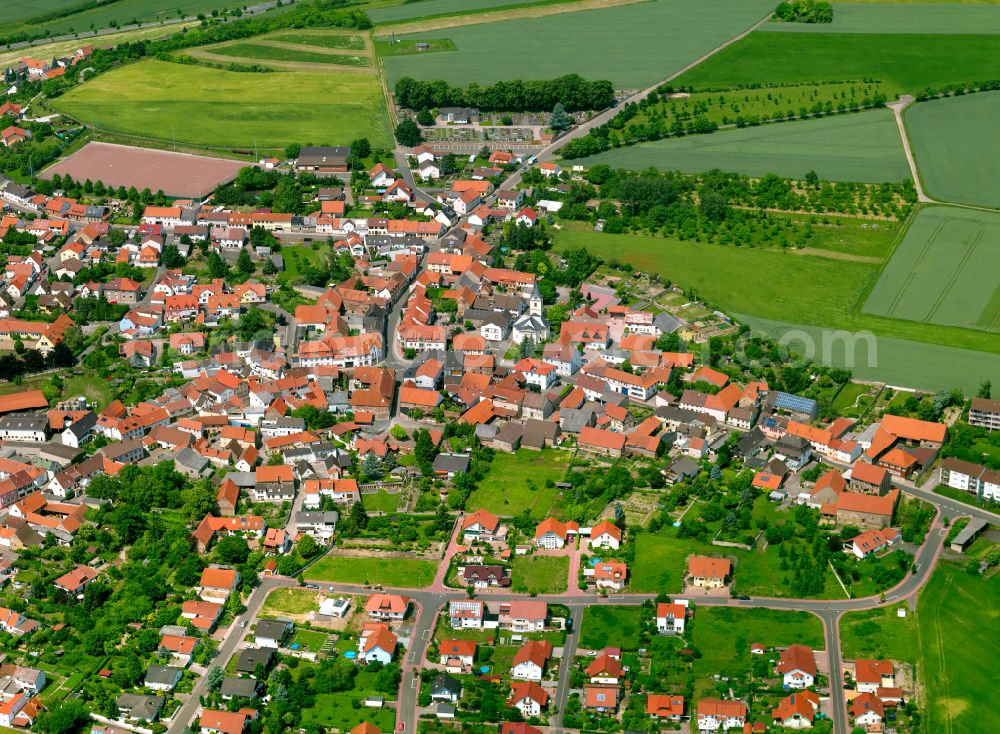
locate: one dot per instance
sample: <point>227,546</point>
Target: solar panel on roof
<point>795,402</point>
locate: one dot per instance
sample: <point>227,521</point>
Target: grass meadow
<point>863,146</point>
<point>802,294</point>
<point>631,45</point>
<point>903,62</point>
<point>879,633</point>
<point>881,17</point>
<point>505,489</point>
<point>397,572</point>
<point>345,41</point>
<point>291,601</point>
<point>957,636</point>
<point>956,146</point>
<point>944,271</point>
<point>208,107</point>
<point>438,8</point>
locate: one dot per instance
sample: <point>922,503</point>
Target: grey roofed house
<point>666,323</point>
<point>684,468</point>
<point>539,434</point>
<point>486,432</point>
<point>446,688</point>
<point>572,420</point>
<point>251,657</point>
<point>323,156</point>
<point>509,435</point>
<point>162,675</point>
<point>750,442</point>
<point>243,479</point>
<point>22,422</point>
<point>139,707</point>
<point>272,629</point>
<point>239,687</point>
<point>451,463</point>
<point>192,464</point>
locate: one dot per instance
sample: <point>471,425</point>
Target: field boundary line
<point>970,250</point>
<point>858,308</point>
<point>914,266</point>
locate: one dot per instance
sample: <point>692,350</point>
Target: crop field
<point>903,62</point>
<point>816,292</point>
<point>438,8</point>
<point>944,271</point>
<point>267,52</point>
<point>18,11</point>
<point>957,632</point>
<point>956,146</point>
<point>862,146</point>
<point>639,44</point>
<point>900,18</point>
<point>203,106</point>
<point>324,39</point>
<point>124,12</point>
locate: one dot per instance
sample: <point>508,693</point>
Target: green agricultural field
<point>611,626</point>
<point>208,107</point>
<point>956,146</point>
<point>901,18</point>
<point>101,15</point>
<point>638,44</point>
<point>324,40</point>
<point>862,146</point>
<point>852,237</point>
<point>438,8</point>
<point>264,52</point>
<point>957,634</point>
<point>902,62</point>
<point>540,574</point>
<point>724,636</point>
<point>817,292</point>
<point>396,572</point>
<point>505,490</point>
<point>944,271</point>
<point>879,633</point>
<point>19,11</point>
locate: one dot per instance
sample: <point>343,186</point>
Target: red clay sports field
<point>176,174</point>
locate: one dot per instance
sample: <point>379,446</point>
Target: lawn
<point>955,141</point>
<point>266,53</point>
<point>902,62</point>
<point>396,572</point>
<point>409,46</point>
<point>958,495</point>
<point>290,601</point>
<point>817,292</point>
<point>380,501</point>
<point>944,270</point>
<point>91,386</point>
<point>505,490</point>
<point>611,626</point>
<point>631,45</point>
<point>957,635</point>
<point>663,562</point>
<point>724,636</point>
<point>438,8</point>
<point>862,146</point>
<point>853,399</point>
<point>540,574</point>
<point>901,18</point>
<point>298,258</point>
<point>879,633</point>
<point>210,107</point>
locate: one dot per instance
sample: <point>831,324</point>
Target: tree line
<point>572,91</point>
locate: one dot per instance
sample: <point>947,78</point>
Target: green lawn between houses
<point>611,626</point>
<point>215,108</point>
<point>817,292</point>
<point>536,574</point>
<point>291,601</point>
<point>505,489</point>
<point>396,572</point>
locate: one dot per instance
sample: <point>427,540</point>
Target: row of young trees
<point>572,91</point>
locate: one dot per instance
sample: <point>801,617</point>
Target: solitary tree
<point>408,134</point>
<point>560,120</point>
